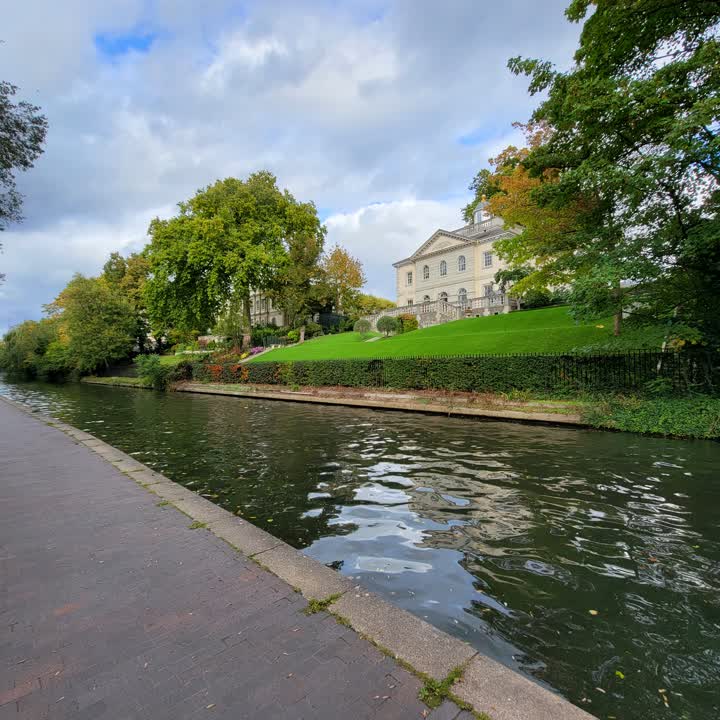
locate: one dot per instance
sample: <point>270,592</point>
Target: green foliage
<point>362,327</point>
<point>34,350</point>
<point>100,324</point>
<point>536,299</point>
<point>22,134</point>
<point>316,606</point>
<point>484,373</point>
<point>387,324</point>
<point>633,145</point>
<point>226,239</point>
<point>693,416</point>
<point>293,336</point>
<point>313,329</point>
<point>407,322</point>
<point>369,305</point>
<point>433,692</point>
<point>150,368</point>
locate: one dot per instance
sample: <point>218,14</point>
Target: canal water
<point>588,560</point>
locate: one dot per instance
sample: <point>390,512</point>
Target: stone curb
<point>406,406</point>
<point>486,685</point>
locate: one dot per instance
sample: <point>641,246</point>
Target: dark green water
<point>505,535</point>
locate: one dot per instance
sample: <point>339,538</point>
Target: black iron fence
<point>678,372</point>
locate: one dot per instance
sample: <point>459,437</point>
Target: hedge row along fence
<point>671,371</point>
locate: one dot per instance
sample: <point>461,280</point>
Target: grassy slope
<point>549,330</point>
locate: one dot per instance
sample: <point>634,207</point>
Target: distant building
<point>264,312</point>
<point>451,275</point>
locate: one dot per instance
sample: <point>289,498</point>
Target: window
<point>487,259</point>
<point>409,278</point>
<point>426,273</point>
<point>410,301</point>
<point>488,289</point>
<point>461,263</point>
<point>462,297</point>
<point>443,297</point>
<point>426,298</point>
<point>443,268</point>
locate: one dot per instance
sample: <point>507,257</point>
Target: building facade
<point>263,311</point>
<point>451,275</point>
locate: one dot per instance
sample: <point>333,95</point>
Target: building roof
<point>471,234</point>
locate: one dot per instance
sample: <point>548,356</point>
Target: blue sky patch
<point>113,45</point>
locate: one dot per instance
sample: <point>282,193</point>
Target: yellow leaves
<point>593,612</point>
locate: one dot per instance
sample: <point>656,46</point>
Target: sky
<point>379,111</point>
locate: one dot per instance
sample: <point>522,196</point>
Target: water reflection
<point>505,535</point>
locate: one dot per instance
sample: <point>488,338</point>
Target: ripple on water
<point>505,535</point>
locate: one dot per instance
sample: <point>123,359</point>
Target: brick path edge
<point>485,687</point>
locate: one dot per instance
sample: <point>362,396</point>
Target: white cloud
<point>382,233</point>
<point>358,106</point>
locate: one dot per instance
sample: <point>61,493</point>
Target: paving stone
<point>246,537</point>
<point>127,614</point>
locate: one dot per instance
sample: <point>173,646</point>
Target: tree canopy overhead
<point>632,147</point>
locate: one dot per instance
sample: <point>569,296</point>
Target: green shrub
<point>555,374</point>
<point>293,336</point>
<point>362,326</point>
<point>150,368</point>
<point>408,322</point>
<point>695,416</point>
<point>387,324</point>
<point>313,329</point>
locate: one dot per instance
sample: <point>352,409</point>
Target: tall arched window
<point>426,272</point>
<point>443,267</point>
<point>443,297</point>
<point>461,263</point>
<point>462,297</point>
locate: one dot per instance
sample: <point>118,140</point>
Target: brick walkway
<point>111,607</point>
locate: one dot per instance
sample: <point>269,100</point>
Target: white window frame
<point>462,264</point>
<point>443,268</point>
<point>487,259</point>
<point>426,272</point>
<point>408,278</point>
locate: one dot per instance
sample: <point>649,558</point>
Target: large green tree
<point>127,276</point>
<point>634,145</point>
<point>230,237</point>
<point>97,323</point>
<point>297,289</point>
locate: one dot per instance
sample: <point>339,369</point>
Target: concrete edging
<point>485,685</point>
<point>386,404</point>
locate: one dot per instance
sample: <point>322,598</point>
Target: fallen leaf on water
<point>600,690</point>
<point>269,519</point>
<point>620,674</point>
<point>593,612</point>
<point>210,706</point>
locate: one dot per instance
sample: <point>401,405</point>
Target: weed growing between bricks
<point>316,606</point>
<point>197,525</point>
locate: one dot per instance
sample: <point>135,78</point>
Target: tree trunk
<point>302,334</point>
<point>247,322</point>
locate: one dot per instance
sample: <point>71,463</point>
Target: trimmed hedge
<point>480,373</point>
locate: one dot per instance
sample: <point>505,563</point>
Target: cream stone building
<point>264,312</point>
<point>451,275</point>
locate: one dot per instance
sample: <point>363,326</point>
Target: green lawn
<point>549,330</point>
